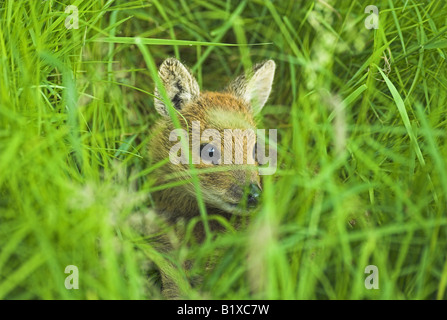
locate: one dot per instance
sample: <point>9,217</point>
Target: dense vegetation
<point>362,127</point>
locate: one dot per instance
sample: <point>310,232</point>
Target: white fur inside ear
<point>259,86</point>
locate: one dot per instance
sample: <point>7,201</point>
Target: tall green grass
<point>362,126</point>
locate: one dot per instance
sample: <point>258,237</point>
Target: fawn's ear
<point>255,88</point>
<point>180,86</point>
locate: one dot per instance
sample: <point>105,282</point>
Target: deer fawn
<point>233,108</point>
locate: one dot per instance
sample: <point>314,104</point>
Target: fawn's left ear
<point>255,89</point>
<point>179,83</point>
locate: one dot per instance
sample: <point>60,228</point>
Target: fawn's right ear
<point>180,86</point>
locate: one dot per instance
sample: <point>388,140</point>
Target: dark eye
<point>209,153</point>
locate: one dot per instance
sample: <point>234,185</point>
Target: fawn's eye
<point>209,153</point>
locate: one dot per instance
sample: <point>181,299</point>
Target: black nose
<point>254,193</point>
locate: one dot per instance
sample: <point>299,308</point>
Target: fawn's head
<point>220,132</point>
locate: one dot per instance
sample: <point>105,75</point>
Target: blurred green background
<point>361,119</point>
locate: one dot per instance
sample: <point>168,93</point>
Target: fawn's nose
<point>254,193</point>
